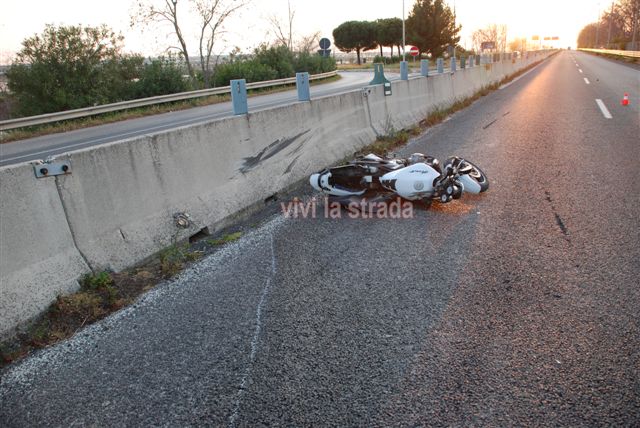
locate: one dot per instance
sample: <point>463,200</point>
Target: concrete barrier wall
<point>38,258</point>
<point>117,206</point>
<point>121,198</point>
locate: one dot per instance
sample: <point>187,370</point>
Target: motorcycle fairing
<point>412,182</point>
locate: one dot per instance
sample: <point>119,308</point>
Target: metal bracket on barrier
<point>49,168</point>
<point>182,220</point>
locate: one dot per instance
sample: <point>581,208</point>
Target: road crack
<point>559,220</point>
<point>255,340</point>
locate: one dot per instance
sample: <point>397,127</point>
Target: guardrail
<point>631,54</point>
<point>124,105</point>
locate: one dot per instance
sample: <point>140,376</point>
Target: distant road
<point>55,144</point>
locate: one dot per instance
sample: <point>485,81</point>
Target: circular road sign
<point>325,43</point>
<point>414,51</point>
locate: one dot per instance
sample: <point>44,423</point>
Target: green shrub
<point>160,77</point>
<point>250,70</point>
<point>278,58</point>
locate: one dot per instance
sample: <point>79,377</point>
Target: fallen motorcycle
<point>416,178</point>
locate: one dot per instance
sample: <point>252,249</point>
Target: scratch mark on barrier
<point>489,124</point>
<point>270,151</point>
<point>288,170</point>
<point>254,340</point>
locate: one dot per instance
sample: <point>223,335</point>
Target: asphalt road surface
<point>519,307</point>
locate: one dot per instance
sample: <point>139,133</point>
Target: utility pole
<point>635,30</point>
<point>454,26</point>
<point>610,21</point>
<point>597,27</point>
<point>404,40</point>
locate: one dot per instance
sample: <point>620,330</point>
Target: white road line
<point>586,81</point>
<point>580,70</point>
<point>603,109</point>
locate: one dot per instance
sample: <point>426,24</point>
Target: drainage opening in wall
<point>203,233</point>
<point>271,198</point>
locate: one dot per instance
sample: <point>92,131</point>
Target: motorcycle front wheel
<point>479,176</point>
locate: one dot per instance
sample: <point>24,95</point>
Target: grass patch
<point>107,118</point>
<point>100,294</point>
<point>628,59</point>
<point>174,259</point>
<point>225,239</point>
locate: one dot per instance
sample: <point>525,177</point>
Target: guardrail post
<point>440,65</point>
<point>478,58</point>
<point>452,67</point>
<point>404,70</point>
<point>470,61</point>
<point>424,67</point>
<point>302,83</point>
<point>239,96</point>
<point>463,62</point>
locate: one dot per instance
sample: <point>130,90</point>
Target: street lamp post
<point>404,40</point>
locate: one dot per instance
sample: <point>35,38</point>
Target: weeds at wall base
<point>101,294</point>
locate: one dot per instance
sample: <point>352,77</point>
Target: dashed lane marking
<point>603,109</point>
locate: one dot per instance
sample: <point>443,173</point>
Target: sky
<point>20,19</point>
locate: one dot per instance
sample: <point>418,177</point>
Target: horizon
<point>250,27</point>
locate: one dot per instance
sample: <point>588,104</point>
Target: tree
<point>278,58</point>
<point>630,12</point>
<point>70,67</point>
<point>518,44</point>
<point>211,17</point>
<point>389,33</point>
<point>431,27</point>
<point>284,36</point>
<point>587,36</point>
<point>308,44</point>
<point>493,33</point>
<point>166,12</point>
<point>212,14</point>
<point>355,36</point>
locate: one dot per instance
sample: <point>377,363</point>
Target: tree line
<point>616,28</point>
<point>70,67</point>
<point>430,26</point>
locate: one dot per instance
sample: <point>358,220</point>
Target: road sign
<point>325,43</point>
<point>414,51</point>
<point>535,38</point>
<point>324,51</point>
<point>488,45</point>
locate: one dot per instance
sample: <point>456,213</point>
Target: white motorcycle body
<point>412,182</point>
<point>418,177</point>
